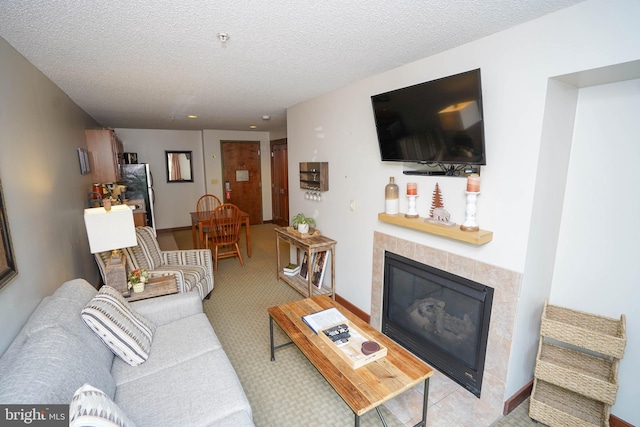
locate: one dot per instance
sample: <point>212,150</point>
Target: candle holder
<point>412,212</point>
<point>469,223</point>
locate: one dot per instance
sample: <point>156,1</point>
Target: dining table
<point>199,220</point>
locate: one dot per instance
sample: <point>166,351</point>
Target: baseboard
<point>171,230</point>
<point>617,422</point>
<point>522,395</point>
<point>352,308</point>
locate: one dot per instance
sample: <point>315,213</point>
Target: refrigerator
<point>139,182</point>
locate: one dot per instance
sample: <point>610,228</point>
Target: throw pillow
<point>127,333</point>
<point>92,407</point>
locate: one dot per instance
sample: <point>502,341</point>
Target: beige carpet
<point>288,392</point>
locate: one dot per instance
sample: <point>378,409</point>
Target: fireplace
<point>440,317</point>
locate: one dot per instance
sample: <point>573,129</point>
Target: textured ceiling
<point>149,63</point>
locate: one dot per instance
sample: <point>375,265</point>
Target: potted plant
<point>137,279</point>
<point>302,223</point>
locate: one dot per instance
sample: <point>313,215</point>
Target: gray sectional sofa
<point>187,379</point>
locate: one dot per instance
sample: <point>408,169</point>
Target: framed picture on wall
<point>8,268</point>
<point>83,158</point>
<point>130,158</point>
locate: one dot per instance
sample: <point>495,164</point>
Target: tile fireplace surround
<point>446,398</point>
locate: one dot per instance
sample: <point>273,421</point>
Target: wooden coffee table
<point>364,388</point>
<point>155,287</point>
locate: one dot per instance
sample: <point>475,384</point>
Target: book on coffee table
<point>324,319</point>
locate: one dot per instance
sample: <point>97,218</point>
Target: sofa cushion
<point>214,395</point>
<point>127,333</point>
<point>62,309</point>
<point>92,407</point>
<point>174,343</point>
<point>51,366</point>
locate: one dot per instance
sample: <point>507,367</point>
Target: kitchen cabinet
<point>105,155</point>
<point>139,218</point>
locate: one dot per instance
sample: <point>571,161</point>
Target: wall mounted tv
<point>435,122</point>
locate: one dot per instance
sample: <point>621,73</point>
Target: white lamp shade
<point>460,116</point>
<point>109,230</point>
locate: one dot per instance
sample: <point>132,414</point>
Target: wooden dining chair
<point>224,233</point>
<point>205,205</point>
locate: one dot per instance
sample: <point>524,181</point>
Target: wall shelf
<point>479,237</point>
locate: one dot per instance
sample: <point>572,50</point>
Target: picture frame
<point>319,267</point>
<point>179,165</point>
<point>130,158</point>
<point>8,269</point>
<point>83,158</point>
<point>304,267</point>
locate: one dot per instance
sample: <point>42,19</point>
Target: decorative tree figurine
<point>436,201</point>
<point>438,214</point>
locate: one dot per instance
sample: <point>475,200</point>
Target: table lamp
<point>111,231</point>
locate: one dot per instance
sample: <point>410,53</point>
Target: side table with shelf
<point>309,245</point>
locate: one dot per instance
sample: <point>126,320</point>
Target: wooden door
<point>241,170</point>
<point>279,182</point>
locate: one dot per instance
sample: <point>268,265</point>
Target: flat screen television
<point>435,122</point>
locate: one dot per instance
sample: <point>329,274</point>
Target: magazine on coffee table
<point>324,319</point>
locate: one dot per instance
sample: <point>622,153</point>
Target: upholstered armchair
<point>192,268</point>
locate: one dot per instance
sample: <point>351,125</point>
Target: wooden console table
<point>310,246</point>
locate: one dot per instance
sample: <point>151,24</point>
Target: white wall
<point>174,200</point>
<point>213,162</point>
<point>516,66</point>
<point>597,266</point>
<point>44,192</point>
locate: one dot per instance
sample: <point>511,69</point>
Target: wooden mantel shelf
<point>479,237</point>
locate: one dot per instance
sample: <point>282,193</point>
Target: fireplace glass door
<point>440,317</point>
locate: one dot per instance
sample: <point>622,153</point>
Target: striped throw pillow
<point>127,333</point>
<point>92,407</point>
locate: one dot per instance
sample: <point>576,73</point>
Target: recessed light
<point>192,116</point>
<point>253,127</point>
<point>223,37</point>
<point>266,117</point>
